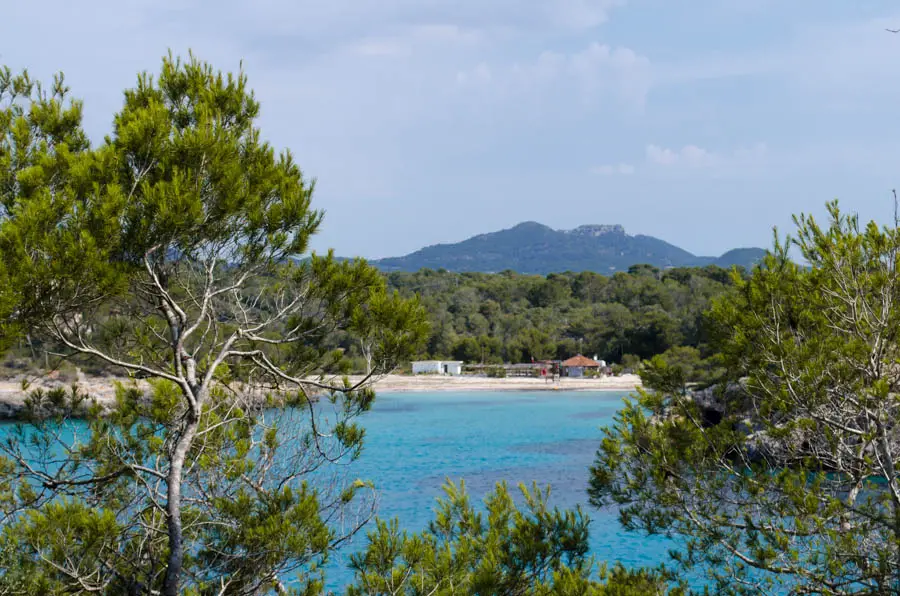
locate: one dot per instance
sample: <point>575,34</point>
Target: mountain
<point>534,248</point>
<point>745,257</point>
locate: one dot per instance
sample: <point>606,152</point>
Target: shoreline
<point>12,397</point>
<point>437,383</point>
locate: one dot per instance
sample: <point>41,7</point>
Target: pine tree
<point>175,251</point>
<point>532,550</point>
<point>794,486</point>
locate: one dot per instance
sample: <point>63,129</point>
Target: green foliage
<point>173,252</point>
<point>677,368</point>
<point>507,317</point>
<point>496,372</point>
<point>60,531</point>
<point>42,155</point>
<point>795,488</point>
<point>94,520</point>
<point>505,549</point>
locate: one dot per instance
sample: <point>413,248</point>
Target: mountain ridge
<point>531,247</point>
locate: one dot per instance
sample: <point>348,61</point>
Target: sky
<point>702,122</point>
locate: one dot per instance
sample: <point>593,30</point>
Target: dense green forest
<point>508,317</point>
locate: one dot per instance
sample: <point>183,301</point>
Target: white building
<point>437,367</point>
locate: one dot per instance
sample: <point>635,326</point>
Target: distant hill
<point>534,248</point>
<point>744,257</point>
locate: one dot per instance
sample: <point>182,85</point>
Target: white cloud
<point>698,158</point>
<point>691,158</point>
<point>599,70</point>
<point>619,169</point>
<point>629,70</point>
<point>417,38</point>
<point>336,19</point>
<point>596,64</point>
<point>689,155</point>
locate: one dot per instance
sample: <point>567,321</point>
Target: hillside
<point>534,248</point>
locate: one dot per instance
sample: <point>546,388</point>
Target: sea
<point>417,441</point>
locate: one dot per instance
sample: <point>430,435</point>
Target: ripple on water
<point>417,441</point>
<point>599,414</point>
<point>579,447</point>
<point>414,442</point>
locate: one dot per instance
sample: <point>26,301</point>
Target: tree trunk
<point>30,343</point>
<point>897,548</point>
<point>173,507</point>
<point>367,354</point>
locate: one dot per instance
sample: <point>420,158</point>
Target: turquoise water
<point>415,441</point>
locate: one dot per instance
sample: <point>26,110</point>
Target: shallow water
<point>415,441</point>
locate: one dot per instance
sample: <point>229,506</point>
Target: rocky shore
<point>715,403</point>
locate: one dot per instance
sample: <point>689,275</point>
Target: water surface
<point>415,441</point>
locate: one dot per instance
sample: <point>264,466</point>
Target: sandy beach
<point>102,389</point>
<point>427,383</point>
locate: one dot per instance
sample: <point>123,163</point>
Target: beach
<point>12,395</point>
<point>429,383</point>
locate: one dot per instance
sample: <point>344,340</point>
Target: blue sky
<point>702,122</point>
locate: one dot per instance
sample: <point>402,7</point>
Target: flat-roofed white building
<point>437,367</point>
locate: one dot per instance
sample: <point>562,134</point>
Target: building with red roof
<point>576,365</point>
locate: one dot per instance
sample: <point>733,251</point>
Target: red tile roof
<point>580,360</point>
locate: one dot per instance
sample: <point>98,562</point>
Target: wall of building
<point>426,367</point>
<point>574,371</point>
<point>453,368</point>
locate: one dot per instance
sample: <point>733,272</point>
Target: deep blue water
<point>415,441</point>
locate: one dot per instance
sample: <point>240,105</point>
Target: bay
<point>417,441</point>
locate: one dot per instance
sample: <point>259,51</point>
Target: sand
<point>427,383</point>
<point>102,389</point>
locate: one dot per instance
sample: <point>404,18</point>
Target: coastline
<point>12,397</point>
<point>435,383</point>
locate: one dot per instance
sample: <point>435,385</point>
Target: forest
<point>508,317</point>
<point>492,318</point>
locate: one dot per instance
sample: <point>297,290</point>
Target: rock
<point>9,410</point>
